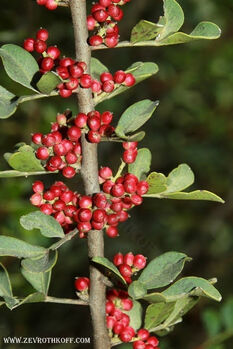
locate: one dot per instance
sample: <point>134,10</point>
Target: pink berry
<point>51,5</point>
<point>42,34</point>
<point>36,199</point>
<point>129,259</point>
<point>46,209</point>
<point>143,334</point>
<point>139,261</point>
<point>91,22</point>
<point>36,138</point>
<point>105,172</point>
<point>127,304</point>
<point>95,40</point>
<point>118,259</point>
<point>81,284</point>
<point>112,232</point>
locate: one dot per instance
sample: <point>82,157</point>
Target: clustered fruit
<point>60,149</point>
<point>49,4</point>
<point>118,304</point>
<point>71,72</point>
<point>105,14</point>
<point>129,264</point>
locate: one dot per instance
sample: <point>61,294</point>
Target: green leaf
<point>174,19</point>
<point>162,270</point>
<point>111,268</point>
<point>19,64</point>
<point>179,179</point>
<point>141,165</point>
<point>157,313</point>
<point>5,288</point>
<point>8,103</point>
<point>14,173</point>
<point>135,116</point>
<point>156,297</point>
<point>212,321</point>
<point>227,313</point>
<point>198,286</point>
<point>137,290</point>
<point>135,315</point>
<point>48,82</point>
<point>41,264</point>
<point>32,298</point>
<point>140,70</point>
<point>47,225</point>
<point>145,30</point>
<point>39,281</point>
<point>13,247</point>
<point>24,160</point>
<point>194,195</point>
<point>204,30</point>
<point>97,68</point>
<point>157,183</point>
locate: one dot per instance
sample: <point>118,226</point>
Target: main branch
<point>90,178</point>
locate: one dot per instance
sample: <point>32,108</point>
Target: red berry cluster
<point>103,22</point>
<point>58,201</point>
<point>129,264</point>
<point>61,148</point>
<point>109,82</point>
<point>49,4</point>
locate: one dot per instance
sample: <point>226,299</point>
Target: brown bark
<point>90,178</point>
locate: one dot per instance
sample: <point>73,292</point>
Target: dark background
<point>192,125</point>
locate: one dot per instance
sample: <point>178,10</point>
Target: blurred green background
<point>192,125</point>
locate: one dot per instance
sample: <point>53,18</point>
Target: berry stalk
<point>89,173</point>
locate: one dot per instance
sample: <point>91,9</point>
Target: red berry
<point>38,187</point>
<point>59,149</point>
<point>41,2</point>
<point>51,5</point>
<point>68,172</point>
<point>129,145</point>
<point>106,77</point>
<point>29,44</point>
<point>93,137</point>
<point>74,133</point>
<point>110,307</point>
<point>97,7</point>
<point>118,190</point>
<point>118,259</point>
<point>63,72</point>
<point>84,227</point>
<point>123,216</point>
<point>59,205</point>
<point>85,81</point>
<point>40,46</point>
<point>49,195</point>
<point>125,320</point>
<point>125,270</point>
<point>116,207</point>
<point>53,52</point>
<point>97,225</point>
<point>36,199</point>
<point>65,93</point>
<point>71,158</point>
<point>95,86</point>
<point>82,284</point>
<point>83,65</point>
<point>125,336</point>
<point>112,232</point>
<point>105,172</point>
<point>136,199</point>
<point>119,16</point>
<point>108,86</point>
<point>127,304</point>
<point>84,214</point>
<point>66,62</point>
<point>91,22</point>
<point>48,140</point>
<point>112,219</point>
<point>72,84</point>
<point>47,63</point>
<point>76,71</point>
<point>94,123</point>
<point>130,186</point>
<point>139,261</point>
<point>100,15</point>
<point>139,345</point>
<point>67,196</point>
<point>42,34</point>
<point>129,259</point>
<point>153,341</point>
<point>95,40</point>
<point>42,153</point>
<point>129,156</point>
<point>105,3</point>
<point>106,117</point>
<point>107,186</point>
<point>99,215</point>
<point>113,11</point>
<point>80,120</point>
<point>68,144</point>
<point>36,138</point>
<point>46,209</point>
<point>100,200</point>
<point>129,80</point>
<point>85,202</point>
<point>110,321</point>
<point>117,314</point>
<point>118,328</point>
<point>111,40</point>
<point>143,334</point>
<point>142,188</point>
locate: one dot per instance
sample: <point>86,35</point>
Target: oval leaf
<point>137,290</point>
<point>97,68</point>
<point>19,64</point>
<point>191,284</point>
<point>47,225</point>
<point>42,264</point>
<point>10,246</point>
<point>104,262</point>
<point>194,195</point>
<point>39,281</point>
<point>162,270</point>
<point>25,160</point>
<point>145,30</point>
<point>48,82</point>
<point>135,315</point>
<point>135,116</point>
<point>141,166</point>
<point>157,313</point>
<point>174,18</point>
<point>179,179</point>
<point>157,183</point>
<point>8,103</point>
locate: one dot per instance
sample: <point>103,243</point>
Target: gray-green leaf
<point>8,103</point>
<point>13,247</point>
<point>141,166</point>
<point>39,281</point>
<point>48,82</point>
<point>111,268</point>
<point>41,264</point>
<point>47,225</point>
<point>24,160</point>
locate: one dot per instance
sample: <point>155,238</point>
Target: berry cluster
<point>118,304</point>
<point>130,152</point>
<point>49,4</point>
<point>129,264</point>
<point>103,22</point>
<point>71,72</point>
<point>61,148</point>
